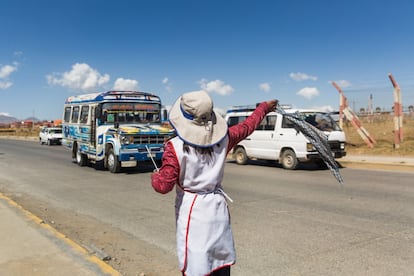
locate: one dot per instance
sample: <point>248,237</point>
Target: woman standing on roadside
<point>194,162</point>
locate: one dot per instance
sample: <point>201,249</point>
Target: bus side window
<point>84,114</point>
<point>66,117</point>
<point>75,114</point>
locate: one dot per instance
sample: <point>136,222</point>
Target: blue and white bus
<point>114,129</point>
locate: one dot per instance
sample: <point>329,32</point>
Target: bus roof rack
<point>112,95</point>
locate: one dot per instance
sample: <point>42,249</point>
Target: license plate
<point>151,155</point>
<point>128,163</point>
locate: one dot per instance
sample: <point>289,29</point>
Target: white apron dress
<point>204,237</point>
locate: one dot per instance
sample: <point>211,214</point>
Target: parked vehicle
<point>50,135</point>
<point>276,138</point>
<point>114,129</point>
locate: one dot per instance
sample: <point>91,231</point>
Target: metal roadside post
<point>152,159</point>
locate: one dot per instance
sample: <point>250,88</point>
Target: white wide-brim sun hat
<point>195,121</point>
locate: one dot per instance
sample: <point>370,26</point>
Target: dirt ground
<point>381,129</point>
<point>126,254</point>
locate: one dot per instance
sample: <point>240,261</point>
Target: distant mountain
<point>4,119</point>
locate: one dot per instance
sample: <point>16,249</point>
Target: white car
<point>50,136</point>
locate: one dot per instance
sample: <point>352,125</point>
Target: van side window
<point>286,123</point>
<point>268,123</point>
<point>84,114</point>
<point>235,120</point>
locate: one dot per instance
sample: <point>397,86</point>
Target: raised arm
<point>242,130</point>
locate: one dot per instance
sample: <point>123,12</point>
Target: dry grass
<point>381,129</point>
<point>21,132</point>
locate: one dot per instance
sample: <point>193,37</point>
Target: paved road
<point>285,222</point>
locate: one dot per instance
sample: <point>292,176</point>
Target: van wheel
<point>241,156</point>
<point>289,160</point>
<point>112,162</point>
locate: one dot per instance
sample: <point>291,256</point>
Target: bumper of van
<point>311,156</point>
<point>316,156</point>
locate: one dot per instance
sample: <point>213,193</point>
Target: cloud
<point>5,72</point>
<point>18,53</point>
<point>5,84</point>
<point>216,86</point>
<point>125,84</point>
<point>324,108</point>
<point>167,84</point>
<point>81,77</point>
<point>302,77</point>
<point>308,92</point>
<point>265,87</point>
<point>343,83</point>
<point>220,111</point>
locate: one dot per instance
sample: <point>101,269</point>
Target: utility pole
<point>352,117</point>
<point>398,114</point>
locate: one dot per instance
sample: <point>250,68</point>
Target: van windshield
<point>321,120</point>
<point>57,130</point>
<point>129,113</point>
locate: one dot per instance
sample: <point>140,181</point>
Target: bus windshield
<point>130,113</point>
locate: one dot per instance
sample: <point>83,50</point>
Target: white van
<point>276,138</point>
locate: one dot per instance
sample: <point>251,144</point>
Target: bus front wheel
<point>112,162</point>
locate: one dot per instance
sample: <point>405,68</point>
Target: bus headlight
<point>342,146</point>
<point>125,140</point>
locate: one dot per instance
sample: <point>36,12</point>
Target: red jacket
<point>165,180</point>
